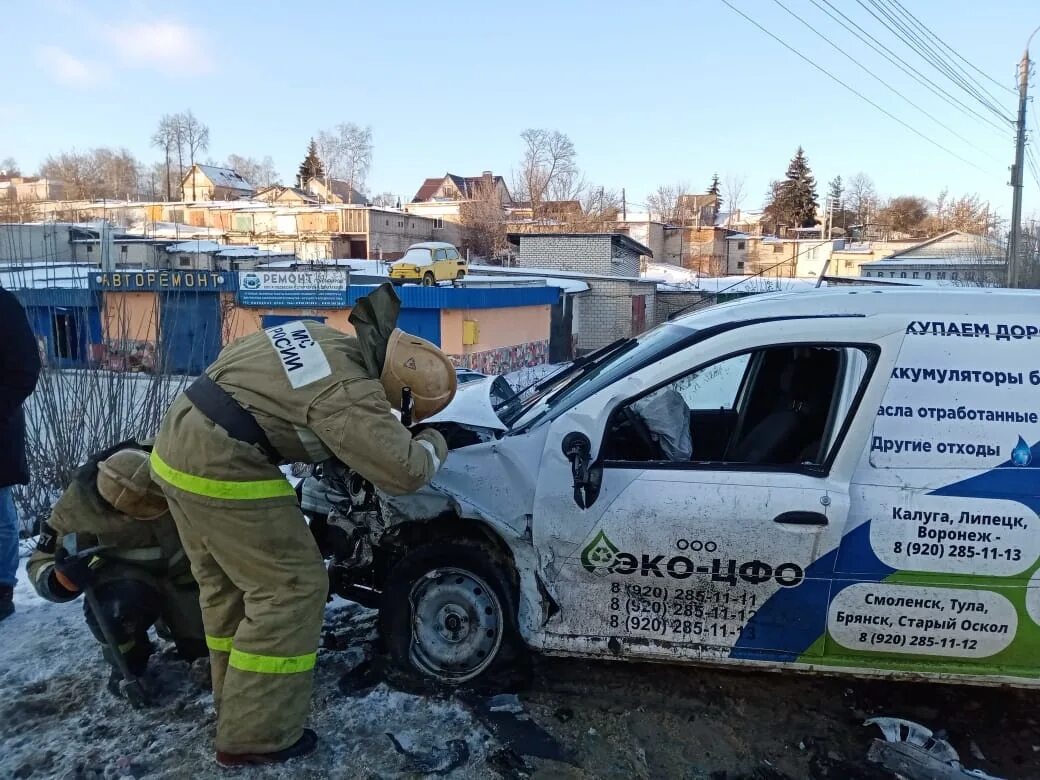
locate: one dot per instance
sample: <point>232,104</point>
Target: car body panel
<point>926,563</point>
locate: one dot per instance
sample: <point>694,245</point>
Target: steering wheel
<point>638,426</point>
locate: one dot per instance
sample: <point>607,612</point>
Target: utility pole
<point>1016,169</point>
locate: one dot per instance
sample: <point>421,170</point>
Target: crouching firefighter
<point>129,564</point>
<point>297,392</point>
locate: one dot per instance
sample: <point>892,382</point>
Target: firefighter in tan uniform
<point>141,578</point>
<point>298,392</point>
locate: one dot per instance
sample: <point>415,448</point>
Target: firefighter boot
<point>304,746</point>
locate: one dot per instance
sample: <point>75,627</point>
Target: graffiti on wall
<point>505,359</point>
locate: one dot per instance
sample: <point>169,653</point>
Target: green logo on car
<point>598,555</point>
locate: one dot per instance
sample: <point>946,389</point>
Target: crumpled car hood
<point>471,407</point>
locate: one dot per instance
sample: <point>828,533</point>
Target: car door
<point>440,267</point>
<point>692,559</point>
<point>456,263</point>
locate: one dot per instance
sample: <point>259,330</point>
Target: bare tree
<point>167,138</point>
<point>861,198</point>
<point>733,190</point>
<point>259,173</point>
<point>97,173</point>
<point>548,169</point>
<point>664,203</point>
<point>9,167</point>
<point>346,151</point>
<point>483,222</point>
<point>905,214</point>
<point>356,145</point>
<point>966,213</point>
<point>386,200</point>
<point>600,206</point>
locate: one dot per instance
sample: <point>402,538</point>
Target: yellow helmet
<point>125,481</point>
<point>416,363</point>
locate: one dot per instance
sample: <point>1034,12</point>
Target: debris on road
<point>436,761</point>
<point>916,753</point>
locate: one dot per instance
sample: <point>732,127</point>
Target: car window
<point>452,254</point>
<point>714,386</point>
<point>440,254</point>
<point>776,407</point>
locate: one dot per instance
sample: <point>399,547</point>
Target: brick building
<point>605,254</point>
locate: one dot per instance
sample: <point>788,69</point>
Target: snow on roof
<point>550,273</point>
<point>752,284</point>
<point>224,177</point>
<point>172,230</point>
<point>670,274</point>
<point>251,251</point>
<point>44,275</point>
<point>196,246</point>
<point>909,262</point>
<point>569,286</point>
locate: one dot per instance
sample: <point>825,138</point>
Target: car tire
<point>448,616</point>
<point>460,274</point>
<point>428,280</point>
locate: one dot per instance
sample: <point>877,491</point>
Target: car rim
<point>456,624</point>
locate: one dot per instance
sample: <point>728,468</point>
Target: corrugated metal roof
<point>416,297</point>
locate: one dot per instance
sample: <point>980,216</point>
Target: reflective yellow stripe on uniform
<point>271,664</point>
<point>219,488</point>
<point>222,644</point>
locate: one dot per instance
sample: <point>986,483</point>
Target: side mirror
<point>577,449</point>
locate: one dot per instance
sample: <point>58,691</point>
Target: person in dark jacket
<point>19,370</point>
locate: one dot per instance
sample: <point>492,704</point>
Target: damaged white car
<point>743,485</point>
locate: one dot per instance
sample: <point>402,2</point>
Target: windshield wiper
<point>564,371</point>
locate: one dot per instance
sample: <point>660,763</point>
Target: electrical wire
<point>884,83</point>
<point>949,48</point>
<point>938,60</point>
<point>751,276</point>
<point>904,66</point>
<point>854,91</point>
<point>913,41</point>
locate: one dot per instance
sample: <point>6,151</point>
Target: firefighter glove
<point>433,442</point>
<point>73,572</point>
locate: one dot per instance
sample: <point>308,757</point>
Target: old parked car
<point>835,480</point>
<point>428,263</point>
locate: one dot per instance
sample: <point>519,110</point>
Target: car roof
<point>432,245</point>
<point>866,301</point>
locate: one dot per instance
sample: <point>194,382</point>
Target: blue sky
<point>651,92</point>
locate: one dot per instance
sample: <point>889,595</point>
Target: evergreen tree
<point>311,167</point>
<point>715,188</point>
<point>794,203</point>
<point>836,191</point>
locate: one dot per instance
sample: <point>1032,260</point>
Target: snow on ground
<point>59,720</point>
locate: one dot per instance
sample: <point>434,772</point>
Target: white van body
<point>861,495</point>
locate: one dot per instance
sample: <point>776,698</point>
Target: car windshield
<point>585,376</point>
<point>418,255</point>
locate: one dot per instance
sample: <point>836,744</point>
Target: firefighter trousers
<point>262,589</point>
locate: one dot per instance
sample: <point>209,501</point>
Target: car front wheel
<point>448,615</point>
<point>428,280</point>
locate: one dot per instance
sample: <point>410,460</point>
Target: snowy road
<point>605,720</point>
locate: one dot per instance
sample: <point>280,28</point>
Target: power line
<point>938,60</point>
<point>953,51</point>
<point>884,83</point>
<point>899,29</point>
<point>855,92</point>
<point>962,77</point>
<point>905,66</point>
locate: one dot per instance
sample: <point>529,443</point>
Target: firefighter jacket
<point>151,548</point>
<point>313,391</point>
